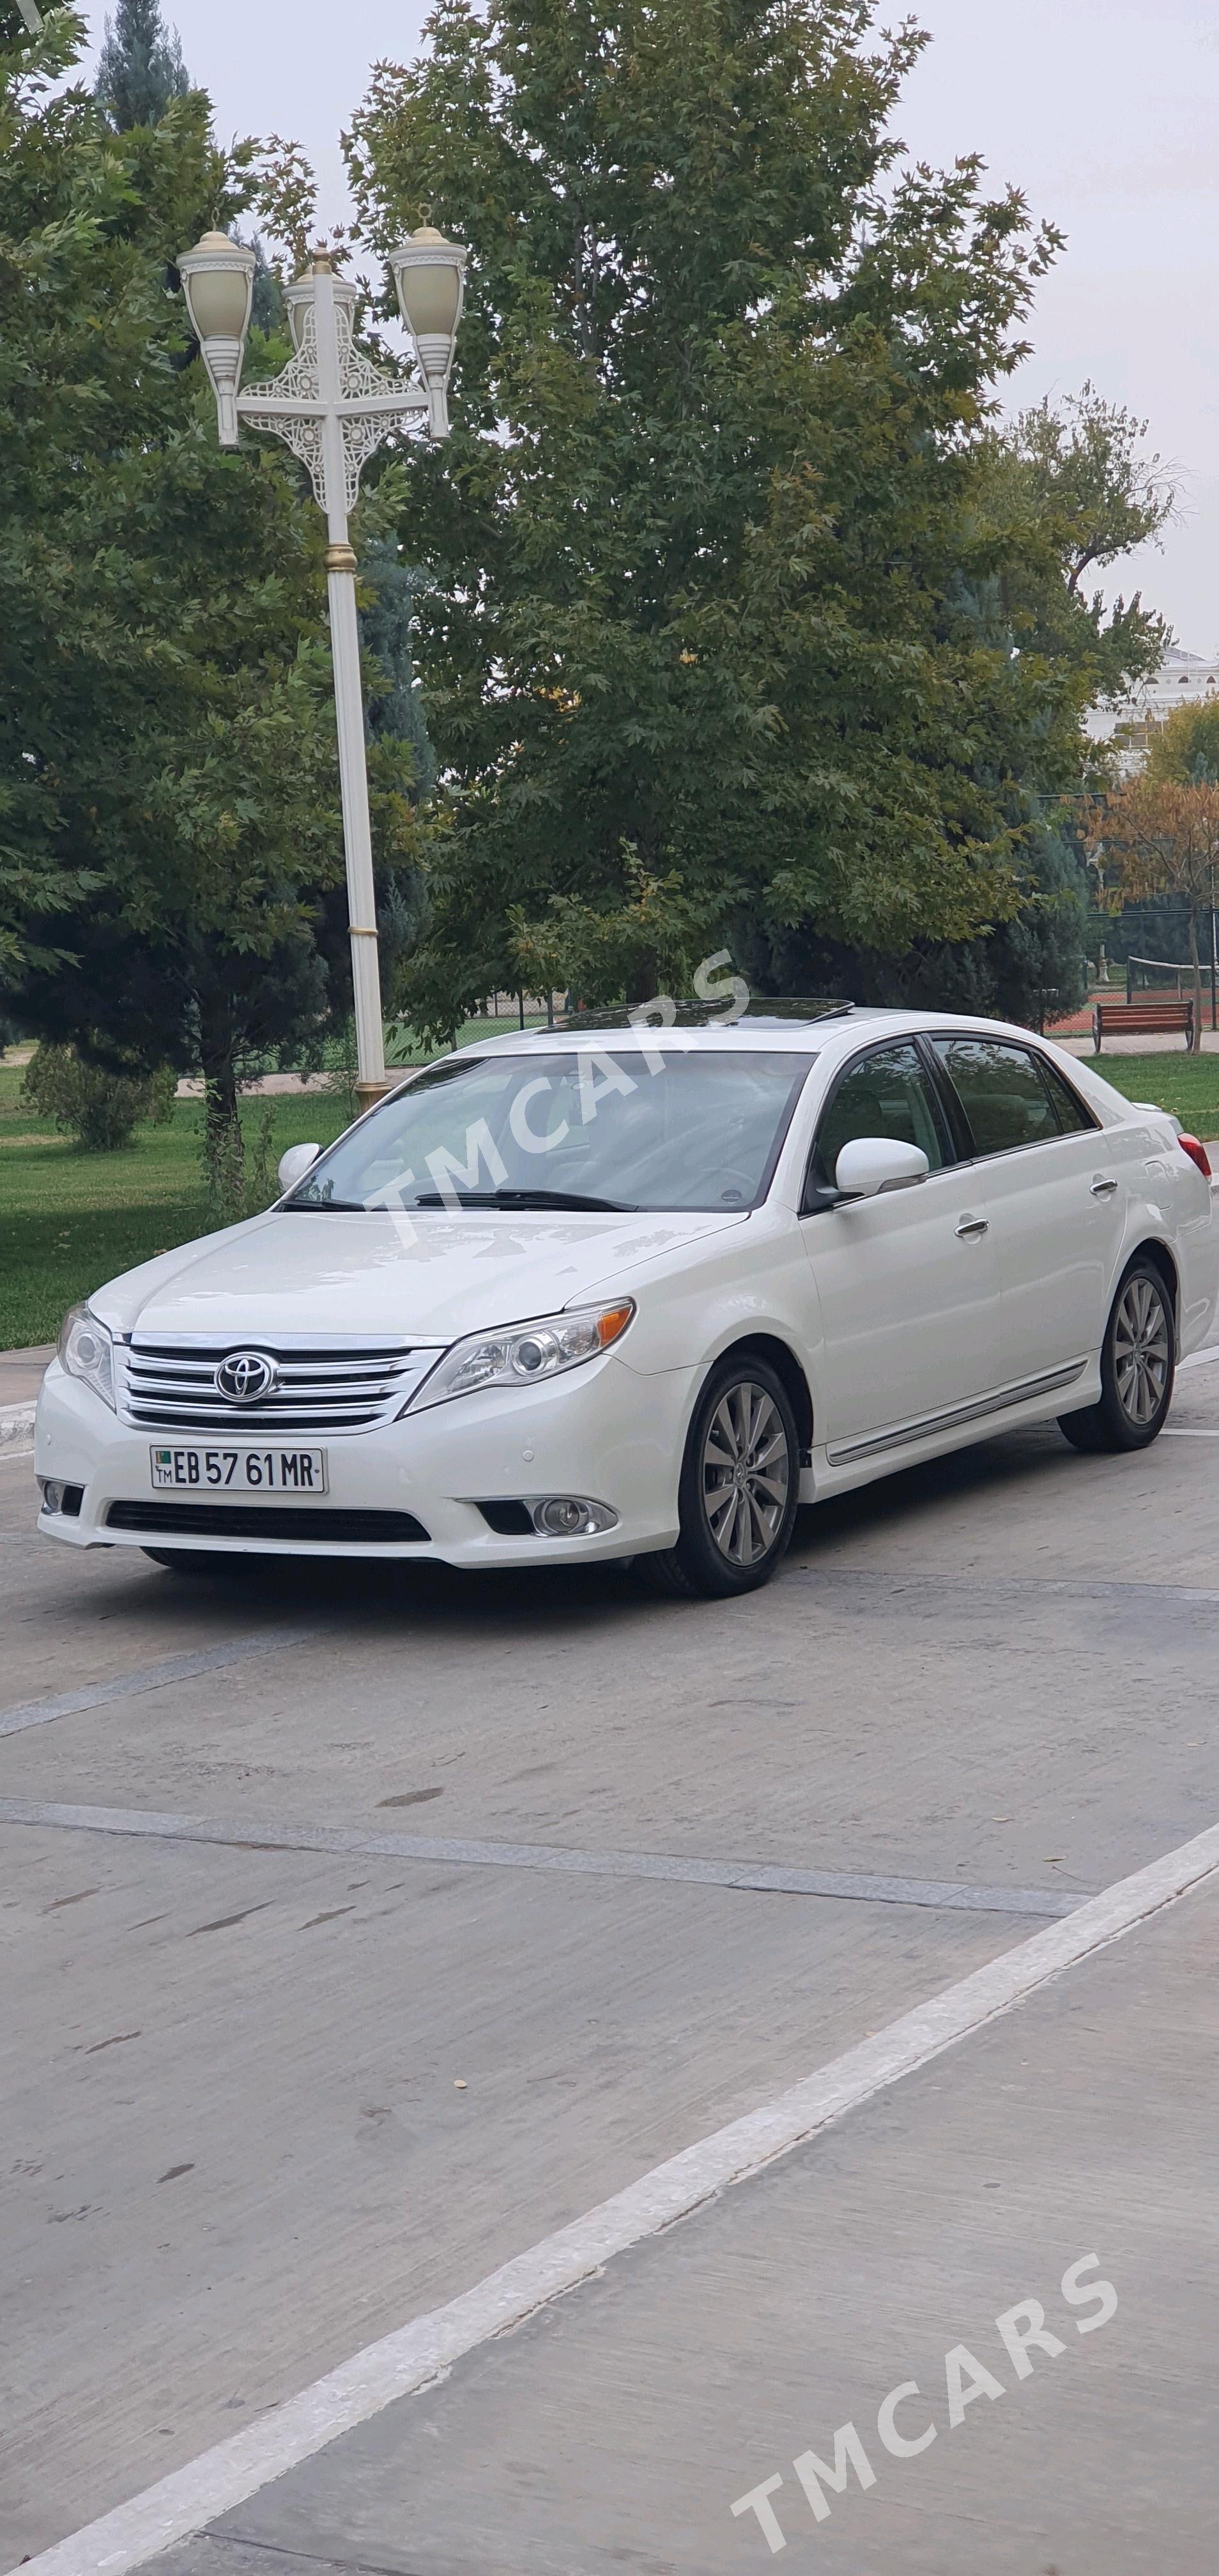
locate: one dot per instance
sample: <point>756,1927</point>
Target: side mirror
<point>872,1164</point>
<point>294,1164</point>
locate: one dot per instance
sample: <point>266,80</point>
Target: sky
<point>1103,111</point>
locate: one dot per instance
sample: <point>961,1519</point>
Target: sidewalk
<point>618,2427</point>
<point>21,1375</point>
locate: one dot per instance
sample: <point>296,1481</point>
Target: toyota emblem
<point>244,1376</point>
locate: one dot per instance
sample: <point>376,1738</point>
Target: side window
<point>1073,1118</point>
<point>1000,1089</point>
<point>887,1094</point>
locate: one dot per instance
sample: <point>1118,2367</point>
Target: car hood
<point>430,1277</point>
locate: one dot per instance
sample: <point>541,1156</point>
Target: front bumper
<point>604,1431</point>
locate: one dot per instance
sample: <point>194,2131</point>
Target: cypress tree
<point>395,711</point>
<point>140,69</point>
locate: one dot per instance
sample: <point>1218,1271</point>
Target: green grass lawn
<point>69,1220</point>
<point>1186,1084</point>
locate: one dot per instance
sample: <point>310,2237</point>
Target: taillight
<point>1197,1154</point>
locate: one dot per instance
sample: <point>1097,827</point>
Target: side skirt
<point>858,1462</point>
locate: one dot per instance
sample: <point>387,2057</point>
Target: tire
<point>743,1414</point>
<point>1138,1367</point>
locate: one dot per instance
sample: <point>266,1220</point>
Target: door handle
<point>971,1227</point>
<point>1103,1186</point>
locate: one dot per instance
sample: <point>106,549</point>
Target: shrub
<point>101,1110</point>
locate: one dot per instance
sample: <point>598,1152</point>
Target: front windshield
<point>587,1129</point>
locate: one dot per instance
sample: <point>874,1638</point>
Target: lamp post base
<point>369,1093</point>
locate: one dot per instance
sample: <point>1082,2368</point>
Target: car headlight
<point>86,1350</point>
<point>524,1354</point>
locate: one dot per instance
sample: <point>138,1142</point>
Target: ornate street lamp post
<point>332,407</point>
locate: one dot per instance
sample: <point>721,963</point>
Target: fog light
<point>572,1516</point>
<point>52,1495</point>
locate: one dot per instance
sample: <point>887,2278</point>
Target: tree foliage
<point>1092,486</point>
<point>1160,836</point>
<point>388,594</point>
<point>1184,749</point>
<point>140,70</point>
<point>725,588</point>
<point>100,1109</point>
<point>170,847</point>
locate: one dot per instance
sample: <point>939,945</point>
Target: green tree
<point>1160,836</point>
<point>170,851</point>
<point>389,591</point>
<point>1053,492</point>
<point>267,302</point>
<point>1090,486</point>
<point>101,1110</point>
<point>401,760</point>
<point>706,550</point>
<point>140,70</point>
<point>1185,748</point>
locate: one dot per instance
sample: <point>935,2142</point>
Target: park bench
<point>1142,1020</point>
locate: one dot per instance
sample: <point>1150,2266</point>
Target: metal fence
<point>1166,979</point>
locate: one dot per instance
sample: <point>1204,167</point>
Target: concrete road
<point>360,1934</point>
<point>621,2427</point>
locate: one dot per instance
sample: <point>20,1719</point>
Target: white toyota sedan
<point>629,1291</point>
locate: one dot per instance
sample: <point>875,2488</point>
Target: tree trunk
<point>641,979</point>
<point>1196,963</point>
<point>223,1143</point>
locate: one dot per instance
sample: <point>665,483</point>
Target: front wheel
<point>1137,1368</point>
<point>739,1487</point>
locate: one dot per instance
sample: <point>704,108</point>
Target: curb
<point>16,1426</point>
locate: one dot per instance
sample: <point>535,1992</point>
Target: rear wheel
<point>739,1487</point>
<point>1138,1367</point>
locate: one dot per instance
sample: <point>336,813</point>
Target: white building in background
<point>1181,677</point>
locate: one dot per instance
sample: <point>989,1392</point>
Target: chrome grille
<point>171,1386</point>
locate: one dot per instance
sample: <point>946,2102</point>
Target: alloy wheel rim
<point>1140,1351</point>
<point>746,1474</point>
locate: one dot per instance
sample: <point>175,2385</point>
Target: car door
<point>907,1283</point>
<point>1055,1196</point>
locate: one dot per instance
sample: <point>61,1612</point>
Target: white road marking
<point>417,2354</point>
<point>1201,1359</point>
<point>1178,1431</point>
<point>150,1677</point>
<point>9,1452</point>
<point>763,1877</point>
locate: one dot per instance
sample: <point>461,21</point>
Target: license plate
<point>239,1471</point>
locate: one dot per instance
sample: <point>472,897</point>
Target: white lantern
<point>430,276</point>
<point>218,282</point>
<point>299,297</point>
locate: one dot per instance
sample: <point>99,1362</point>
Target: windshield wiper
<point>523,1199</point>
<point>323,1206</point>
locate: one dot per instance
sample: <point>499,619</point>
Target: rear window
<point>1069,1109</point>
